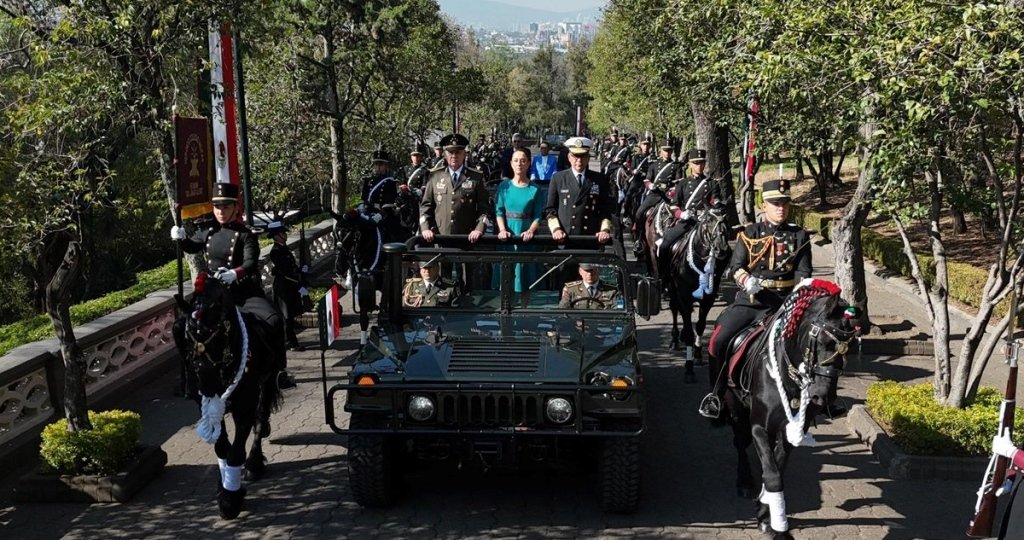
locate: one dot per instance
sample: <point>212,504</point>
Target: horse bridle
<point>200,349</point>
<point>825,368</point>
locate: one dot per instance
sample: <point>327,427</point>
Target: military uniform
<point>664,172</point>
<point>454,208</point>
<point>380,189</point>
<point>415,294</point>
<point>604,297</point>
<point>232,246</point>
<point>779,256</point>
<point>580,209</point>
<point>416,176</point>
<point>288,279</point>
<point>635,192</point>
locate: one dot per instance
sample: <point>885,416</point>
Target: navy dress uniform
<point>454,202</point>
<point>768,261</point>
<point>380,189</point>
<point>580,202</point>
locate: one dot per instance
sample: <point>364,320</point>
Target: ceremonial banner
<point>192,160</point>
<point>222,90</point>
<point>330,318</point>
<point>749,143</point>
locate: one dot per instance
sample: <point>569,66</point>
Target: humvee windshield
<point>524,283</point>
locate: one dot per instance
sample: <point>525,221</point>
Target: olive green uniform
<point>605,297</point>
<point>415,294</point>
<point>454,209</point>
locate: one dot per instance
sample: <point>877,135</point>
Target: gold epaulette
<point>574,283</point>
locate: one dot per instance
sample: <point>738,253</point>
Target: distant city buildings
<point>559,35</point>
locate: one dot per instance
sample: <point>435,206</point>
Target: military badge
<point>595,189</point>
<point>467,185</point>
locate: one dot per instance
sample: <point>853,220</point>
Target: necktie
<point>593,291</point>
<point>455,179</point>
<point>427,291</point>
<point>579,178</point>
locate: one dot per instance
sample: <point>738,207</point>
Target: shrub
<point>104,449</point>
<point>921,426</point>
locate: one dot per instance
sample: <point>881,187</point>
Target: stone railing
<point>119,348</point>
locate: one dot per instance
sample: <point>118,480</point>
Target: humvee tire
<point>373,475</point>
<point>619,473</point>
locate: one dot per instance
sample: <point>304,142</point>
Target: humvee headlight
<point>421,408</point>
<point>623,383</point>
<point>558,410</point>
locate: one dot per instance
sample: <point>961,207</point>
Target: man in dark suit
<point>580,201</point>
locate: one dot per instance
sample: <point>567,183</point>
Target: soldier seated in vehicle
<point>430,289</point>
<point>589,292</point>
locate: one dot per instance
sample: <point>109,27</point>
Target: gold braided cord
<point>757,248</point>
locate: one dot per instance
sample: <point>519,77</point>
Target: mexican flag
<point>330,318</point>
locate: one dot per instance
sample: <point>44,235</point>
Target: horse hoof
<point>230,503</point>
<point>255,468</point>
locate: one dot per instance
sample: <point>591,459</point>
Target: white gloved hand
<point>226,276</point>
<point>752,285</point>
<point>376,217</point>
<point>1003,446</point>
<point>686,215</point>
<point>303,291</point>
<point>177,233</point>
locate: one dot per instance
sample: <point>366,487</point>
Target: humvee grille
<point>490,410</point>
<point>494,355</point>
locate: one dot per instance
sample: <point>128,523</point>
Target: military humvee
<point>487,381</point>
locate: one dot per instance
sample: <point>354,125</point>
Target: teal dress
<point>521,206</point>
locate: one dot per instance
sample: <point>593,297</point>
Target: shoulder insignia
<point>413,279</point>
<point>574,283</point>
<point>440,167</point>
<point>471,169</point>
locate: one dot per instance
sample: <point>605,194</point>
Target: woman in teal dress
<point>518,207</point>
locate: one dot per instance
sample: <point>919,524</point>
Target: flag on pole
<point>330,318</point>
<point>224,113</point>
<point>749,143</point>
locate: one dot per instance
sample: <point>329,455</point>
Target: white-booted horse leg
<point>772,494</point>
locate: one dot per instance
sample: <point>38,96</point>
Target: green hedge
<point>38,327</point>
<point>965,281</point>
<point>104,449</point>
<point>920,426</point>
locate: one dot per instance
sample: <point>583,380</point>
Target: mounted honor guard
<point>636,189</point>
<point>692,194</point>
<point>770,258</point>
<point>416,172</point>
<point>438,158</point>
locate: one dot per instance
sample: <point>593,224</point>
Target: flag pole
<point>243,128</point>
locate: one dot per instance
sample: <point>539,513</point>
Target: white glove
<point>1003,446</point>
<point>752,285</point>
<point>177,233</point>
<point>686,215</point>
<point>226,276</point>
<point>305,268</point>
<point>376,217</point>
<point>303,291</point>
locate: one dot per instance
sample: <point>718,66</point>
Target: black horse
<point>786,376</point>
<point>359,242</point>
<point>235,361</point>
<point>696,273</point>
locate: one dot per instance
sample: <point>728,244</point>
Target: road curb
<point>901,466</point>
<point>897,347</point>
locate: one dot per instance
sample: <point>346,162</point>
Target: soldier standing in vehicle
<point>580,201</point>
<point>455,200</point>
<point>429,290</point>
<point>589,292</point>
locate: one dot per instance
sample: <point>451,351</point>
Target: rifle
<point>995,473</point>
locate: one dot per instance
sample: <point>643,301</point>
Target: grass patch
<point>920,426</point>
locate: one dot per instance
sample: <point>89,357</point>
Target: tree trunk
<point>849,261</point>
<point>799,159</point>
<point>715,139</point>
<point>821,180</point>
<point>939,291</point>
<point>58,292</point>
<point>970,366</point>
<point>339,169</point>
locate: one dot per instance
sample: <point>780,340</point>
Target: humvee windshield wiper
<point>553,268</point>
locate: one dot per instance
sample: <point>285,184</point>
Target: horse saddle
<point>738,348</point>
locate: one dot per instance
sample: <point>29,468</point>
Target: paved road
<point>834,490</point>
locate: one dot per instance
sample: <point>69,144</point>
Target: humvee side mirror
<point>648,298</point>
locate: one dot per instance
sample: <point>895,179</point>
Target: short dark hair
<point>524,150</point>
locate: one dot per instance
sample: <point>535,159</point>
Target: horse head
<point>208,328</point>
<point>713,233</point>
<point>823,326</point>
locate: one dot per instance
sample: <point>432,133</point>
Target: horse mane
<point>800,305</point>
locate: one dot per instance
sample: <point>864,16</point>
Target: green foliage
<point>39,327</point>
<point>920,426</point>
<point>104,449</point>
